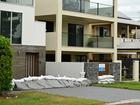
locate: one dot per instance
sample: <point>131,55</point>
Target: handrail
<point>100,3</point>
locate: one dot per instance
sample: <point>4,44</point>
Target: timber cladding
<point>28,61</point>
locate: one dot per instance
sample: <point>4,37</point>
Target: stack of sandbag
<point>48,82</point>
<point>106,79</point>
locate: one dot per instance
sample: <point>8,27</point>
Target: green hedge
<point>5,64</point>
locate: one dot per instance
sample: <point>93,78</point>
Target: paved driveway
<point>97,93</point>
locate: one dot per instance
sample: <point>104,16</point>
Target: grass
<point>37,98</point>
<point>121,85</point>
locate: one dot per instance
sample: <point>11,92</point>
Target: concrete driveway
<point>97,93</point>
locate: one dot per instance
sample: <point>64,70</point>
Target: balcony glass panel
<point>21,2</point>
<point>105,42</point>
<point>105,10</point>
<point>88,7</point>
<point>91,41</point>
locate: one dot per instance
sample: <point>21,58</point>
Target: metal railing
<point>91,41</point>
<point>89,7</point>
<point>20,2</point>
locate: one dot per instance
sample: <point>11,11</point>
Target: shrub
<point>5,65</point>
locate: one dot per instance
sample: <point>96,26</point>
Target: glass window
<point>16,28</point>
<point>22,2</point>
<point>11,26</point>
<point>5,23</point>
<point>25,2</point>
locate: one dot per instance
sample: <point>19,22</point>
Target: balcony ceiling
<point>83,20</point>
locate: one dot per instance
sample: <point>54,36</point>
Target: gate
<point>32,64</point>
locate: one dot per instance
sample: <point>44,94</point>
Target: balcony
<point>90,41</point>
<point>88,7</point>
<point>128,43</point>
<point>20,2</point>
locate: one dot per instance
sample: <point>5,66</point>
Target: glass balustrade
<point>88,7</point>
<point>91,41</point>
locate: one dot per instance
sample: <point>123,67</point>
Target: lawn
<point>37,98</point>
<point>122,85</point>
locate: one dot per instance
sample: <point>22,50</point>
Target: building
<point>27,36</point>
<point>79,30</point>
<point>129,47</point>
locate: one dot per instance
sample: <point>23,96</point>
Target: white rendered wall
<point>28,23</point>
<point>64,69</point>
<point>39,33</point>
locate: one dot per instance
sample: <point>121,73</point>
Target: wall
<point>28,24</point>
<point>91,70</point>
<point>19,59</point>
<point>74,69</point>
<point>64,69</point>
<point>51,38</point>
<point>39,33</point>
<point>46,7</point>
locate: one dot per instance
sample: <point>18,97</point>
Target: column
<point>115,29</point>
<point>58,51</point>
<point>114,32</point>
<point>136,29</point>
<point>90,56</point>
<point>128,28</point>
<point>58,56</point>
<point>136,71</point>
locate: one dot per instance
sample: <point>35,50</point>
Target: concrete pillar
<point>58,56</point>
<point>115,29</point>
<point>136,71</point>
<point>58,53</point>
<point>90,56</point>
<point>128,28</point>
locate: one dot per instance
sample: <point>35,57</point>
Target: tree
<point>5,65</point>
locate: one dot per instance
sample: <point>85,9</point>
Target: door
<point>103,32</point>
<point>32,64</point>
<point>127,69</point>
<point>75,35</point>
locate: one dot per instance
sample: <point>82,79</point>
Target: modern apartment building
<point>27,36</point>
<point>129,46</point>
<point>79,30</point>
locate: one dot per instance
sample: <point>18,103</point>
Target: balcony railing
<point>89,7</point>
<point>20,2</point>
<point>128,43</point>
<point>90,41</point>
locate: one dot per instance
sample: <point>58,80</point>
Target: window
<point>21,2</point>
<point>16,27</point>
<point>5,23</point>
<point>11,26</point>
<point>49,26</point>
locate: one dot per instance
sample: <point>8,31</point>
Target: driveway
<point>97,93</point>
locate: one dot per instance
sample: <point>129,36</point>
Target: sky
<point>129,7</point>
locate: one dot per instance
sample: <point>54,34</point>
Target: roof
<point>123,16</point>
<point>124,19</point>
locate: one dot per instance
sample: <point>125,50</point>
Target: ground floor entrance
<point>28,61</point>
<point>32,64</point>
<point>130,68</point>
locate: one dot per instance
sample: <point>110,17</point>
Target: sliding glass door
<point>75,35</point>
